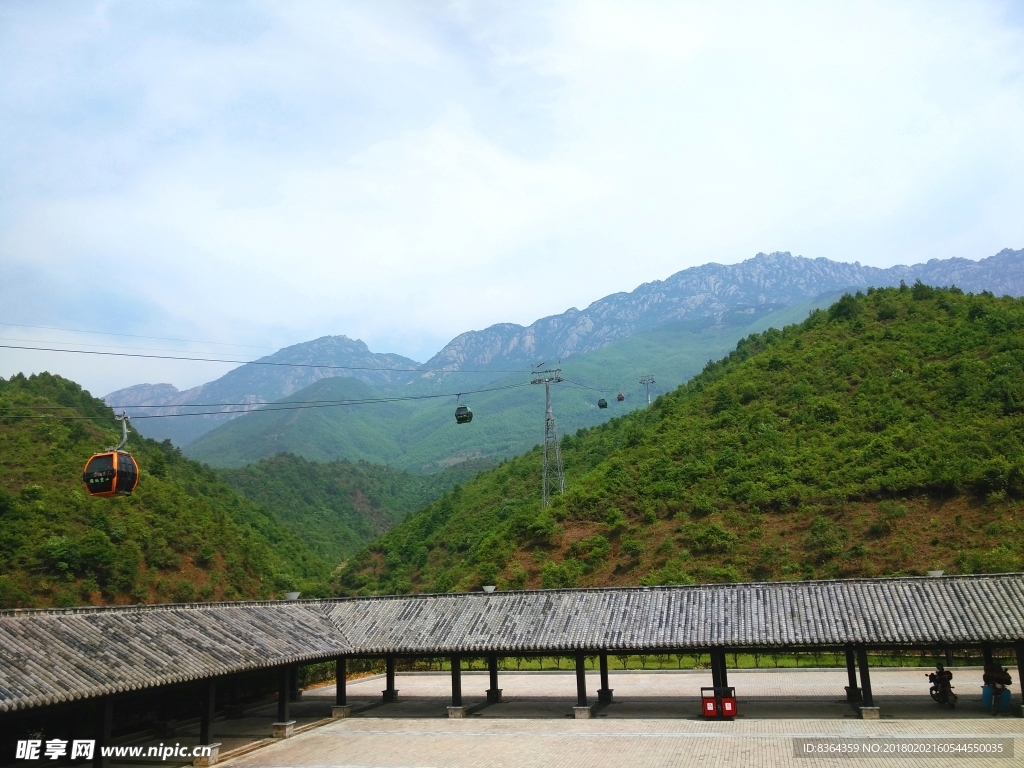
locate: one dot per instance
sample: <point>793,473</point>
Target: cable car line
<point>298,405</point>
<point>257,362</point>
<point>344,401</point>
<point>584,386</point>
<point>101,346</point>
<point>298,402</point>
<point>133,336</point>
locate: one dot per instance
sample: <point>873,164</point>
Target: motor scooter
<point>942,688</point>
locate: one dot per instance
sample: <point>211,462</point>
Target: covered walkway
<point>96,656</point>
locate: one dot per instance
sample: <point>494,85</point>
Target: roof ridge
<point>320,601</point>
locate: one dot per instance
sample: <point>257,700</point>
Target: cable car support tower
<point>647,381</point>
<point>553,476</point>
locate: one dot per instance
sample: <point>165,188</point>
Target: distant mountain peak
<point>249,384</point>
<point>768,280</point>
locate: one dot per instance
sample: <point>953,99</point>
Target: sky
<point>227,178</point>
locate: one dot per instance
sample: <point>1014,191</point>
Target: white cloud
<point>402,173</point>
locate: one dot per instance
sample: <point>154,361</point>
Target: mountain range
<point>704,294</point>
<point>421,435</point>
<point>703,309</point>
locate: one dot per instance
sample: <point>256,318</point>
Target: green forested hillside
<point>185,534</point>
<point>421,435</point>
<point>339,506</point>
<point>882,436</point>
<point>367,432</point>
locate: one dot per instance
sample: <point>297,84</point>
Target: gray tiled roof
<point>50,656</point>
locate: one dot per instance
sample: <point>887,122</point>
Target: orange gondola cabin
<point>113,473</point>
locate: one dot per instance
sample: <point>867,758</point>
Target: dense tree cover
<point>338,507</point>
<point>882,436</point>
<point>184,535</point>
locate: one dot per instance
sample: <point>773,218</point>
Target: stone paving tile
<point>596,744</point>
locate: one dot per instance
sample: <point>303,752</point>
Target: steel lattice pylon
<point>553,475</point>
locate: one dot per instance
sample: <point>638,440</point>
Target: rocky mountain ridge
<point>704,294</point>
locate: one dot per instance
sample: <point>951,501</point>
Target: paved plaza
<point>653,721</point>
<point>603,743</point>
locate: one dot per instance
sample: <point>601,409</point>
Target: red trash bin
<point>729,706</point>
<point>718,703</point>
<point>709,704</point>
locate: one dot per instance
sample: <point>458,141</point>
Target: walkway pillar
<point>456,681</point>
<point>208,705</point>
<point>494,692</point>
<point>284,728</point>
<point>456,710</point>
<point>340,673</point>
<point>868,711</point>
<point>390,694</point>
<point>986,652</point>
<point>1019,648</point>
<point>233,709</point>
<point>341,708</point>
<point>163,726</point>
<point>69,726</point>
<point>582,710</point>
<point>718,668</point>
<point>604,693</point>
<point>852,690</point>
<point>723,670</point>
<point>581,679</point>
<point>283,689</point>
<point>104,730</point>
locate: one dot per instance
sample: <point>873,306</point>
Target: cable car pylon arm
<point>124,418</point>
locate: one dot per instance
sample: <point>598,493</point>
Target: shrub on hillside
<point>592,550</point>
<point>560,575</point>
<point>826,539</point>
<point>707,538</point>
<point>999,559</point>
<point>632,547</point>
<point>544,528</point>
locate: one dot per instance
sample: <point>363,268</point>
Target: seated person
<point>996,675</point>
